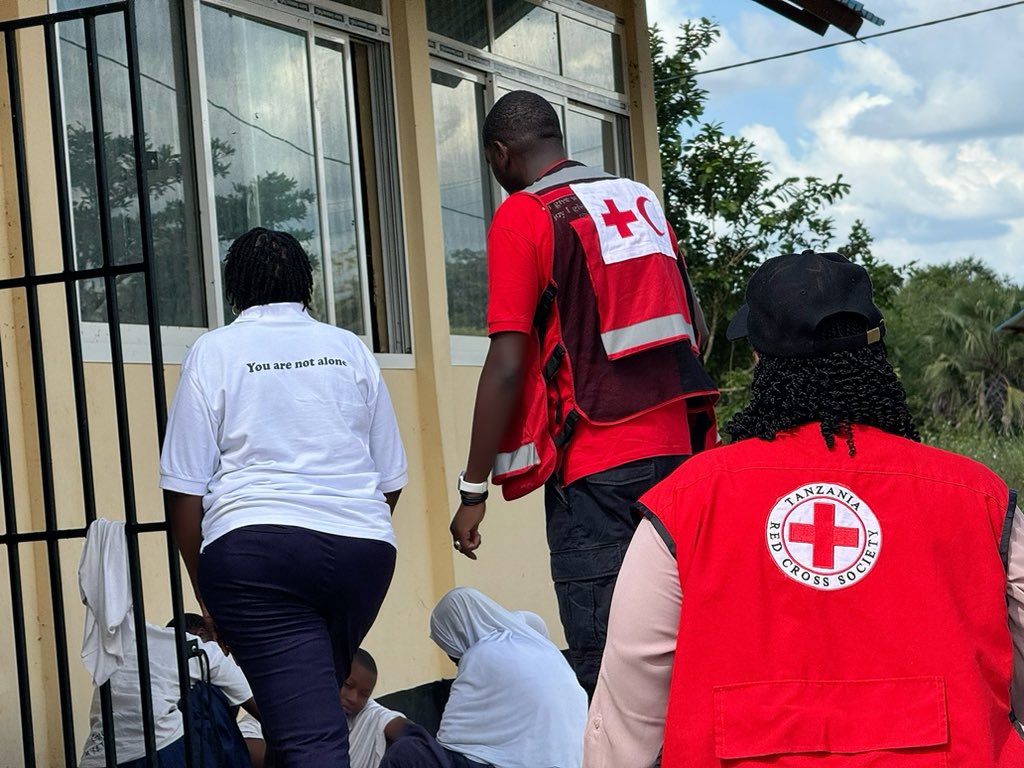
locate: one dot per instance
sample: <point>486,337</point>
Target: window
<point>570,54</point>
<point>178,264</point>
<point>461,20</point>
<point>289,124</point>
<point>590,139</point>
<point>591,55</point>
<point>465,196</point>
<point>526,33</point>
<point>295,128</point>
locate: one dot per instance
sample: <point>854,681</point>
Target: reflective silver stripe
<point>620,340</point>
<point>568,175</point>
<point>523,457</point>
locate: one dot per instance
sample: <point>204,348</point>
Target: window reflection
<point>462,20</point>
<point>333,107</point>
<point>591,55</point>
<point>257,84</point>
<point>591,140</point>
<point>465,199</point>
<point>178,272</point>
<point>526,33</point>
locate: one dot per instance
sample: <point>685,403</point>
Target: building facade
<point>137,141</point>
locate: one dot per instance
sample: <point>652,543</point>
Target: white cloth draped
<point>106,591</point>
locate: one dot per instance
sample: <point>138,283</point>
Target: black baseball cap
<point>789,296</point>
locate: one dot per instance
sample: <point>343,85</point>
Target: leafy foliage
<point>728,211</point>
<point>958,370</point>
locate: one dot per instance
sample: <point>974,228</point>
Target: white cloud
<point>926,125</point>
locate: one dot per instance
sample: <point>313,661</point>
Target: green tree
<point>728,210</point>
<point>959,372</point>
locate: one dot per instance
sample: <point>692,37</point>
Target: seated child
<point>371,727</point>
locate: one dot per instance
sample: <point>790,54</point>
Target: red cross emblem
<point>824,534</point>
<point>618,219</point>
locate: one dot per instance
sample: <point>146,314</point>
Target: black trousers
<point>590,523</point>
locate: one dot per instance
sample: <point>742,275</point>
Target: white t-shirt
<point>366,742</point>
<point>280,419</point>
<point>126,698</point>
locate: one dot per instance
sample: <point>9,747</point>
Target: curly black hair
<point>839,389</point>
<point>265,266</point>
<point>521,117</point>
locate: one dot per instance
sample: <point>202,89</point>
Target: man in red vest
<point>592,385</point>
<point>825,590</point>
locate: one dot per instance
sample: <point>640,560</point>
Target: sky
<point>927,125</point>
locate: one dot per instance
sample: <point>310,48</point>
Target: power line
<point>932,23</point>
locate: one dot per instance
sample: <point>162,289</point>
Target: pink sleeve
<point>1015,604</point>
<point>626,724</point>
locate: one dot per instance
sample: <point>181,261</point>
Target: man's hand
<point>465,528</point>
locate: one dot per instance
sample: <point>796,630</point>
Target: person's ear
<point>498,154</point>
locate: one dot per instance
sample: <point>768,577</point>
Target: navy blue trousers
<point>416,748</point>
<point>294,605</point>
<point>590,523</point>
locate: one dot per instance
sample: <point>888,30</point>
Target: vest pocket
<point>789,717</point>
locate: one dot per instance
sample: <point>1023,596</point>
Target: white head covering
<point>515,702</point>
<point>535,622</point>
<point>464,616</point>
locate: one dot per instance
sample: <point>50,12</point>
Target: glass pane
<point>462,20</point>
<point>178,269</point>
<point>591,141</point>
<point>591,55</point>
<point>339,189</point>
<point>261,133</point>
<point>526,33</point>
<point>465,194</point>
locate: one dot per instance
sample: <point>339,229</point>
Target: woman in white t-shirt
<point>281,467</point>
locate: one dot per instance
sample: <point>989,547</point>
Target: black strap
<point>567,427</point>
<point>659,526</point>
<point>1004,538</point>
<point>551,366</point>
<point>540,315</point>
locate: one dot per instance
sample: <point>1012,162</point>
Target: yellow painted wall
<point>433,401</point>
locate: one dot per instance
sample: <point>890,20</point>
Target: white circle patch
<point>824,536</point>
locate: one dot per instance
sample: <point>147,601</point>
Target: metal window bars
<point>22,79</point>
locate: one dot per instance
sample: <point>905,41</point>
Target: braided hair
<point>838,389</point>
<point>265,266</point>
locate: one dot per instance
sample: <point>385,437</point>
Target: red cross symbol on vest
<point>618,219</point>
<point>824,534</point>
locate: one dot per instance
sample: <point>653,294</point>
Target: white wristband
<point>465,486</point>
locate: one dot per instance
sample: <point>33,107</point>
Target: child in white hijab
<point>515,701</point>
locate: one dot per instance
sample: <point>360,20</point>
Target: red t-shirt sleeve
<point>519,245</point>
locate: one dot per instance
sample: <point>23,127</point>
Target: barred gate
<point>67,424</point>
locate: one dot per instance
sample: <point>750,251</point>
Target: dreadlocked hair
<point>265,266</point>
<point>838,389</point>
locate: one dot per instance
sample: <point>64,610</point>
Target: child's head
<point>359,685</point>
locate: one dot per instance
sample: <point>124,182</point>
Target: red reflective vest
<point>613,333</point>
<point>838,611</point>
